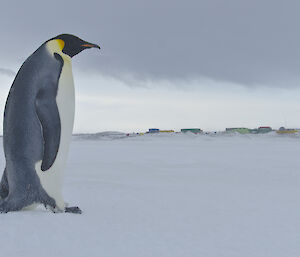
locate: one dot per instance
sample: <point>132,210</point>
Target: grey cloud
<point>248,42</point>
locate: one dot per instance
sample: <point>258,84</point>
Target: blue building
<point>153,130</point>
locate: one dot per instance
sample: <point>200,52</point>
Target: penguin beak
<point>89,45</point>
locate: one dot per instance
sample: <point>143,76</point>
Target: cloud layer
<point>168,64</point>
<point>248,42</point>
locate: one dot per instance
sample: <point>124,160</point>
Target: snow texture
<point>169,196</point>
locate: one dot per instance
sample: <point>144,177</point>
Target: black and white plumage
<point>38,124</point>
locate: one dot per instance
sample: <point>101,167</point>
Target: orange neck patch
<point>61,43</point>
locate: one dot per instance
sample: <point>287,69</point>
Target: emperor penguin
<point>37,127</point>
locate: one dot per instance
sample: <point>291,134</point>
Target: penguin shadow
<point>40,210</point>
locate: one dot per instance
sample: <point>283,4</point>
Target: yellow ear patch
<point>60,43</point>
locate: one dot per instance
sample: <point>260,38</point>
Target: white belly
<point>52,179</point>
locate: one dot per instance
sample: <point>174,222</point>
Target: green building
<point>254,131</point>
<point>238,130</point>
<point>262,130</point>
<point>193,130</point>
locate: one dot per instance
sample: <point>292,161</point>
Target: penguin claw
<point>4,208</point>
<point>75,210</point>
<point>3,211</point>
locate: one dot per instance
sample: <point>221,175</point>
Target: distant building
<point>238,130</point>
<point>153,130</point>
<point>192,130</point>
<point>283,130</point>
<point>254,131</point>
<point>262,130</point>
<point>166,131</point>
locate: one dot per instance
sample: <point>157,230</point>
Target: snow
<point>169,195</point>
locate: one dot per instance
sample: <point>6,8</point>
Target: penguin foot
<point>48,202</point>
<point>75,210</point>
<point>54,209</point>
<point>7,206</point>
<point>4,209</point>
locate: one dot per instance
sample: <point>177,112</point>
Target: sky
<point>168,64</point>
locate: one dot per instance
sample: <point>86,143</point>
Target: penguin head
<point>72,45</point>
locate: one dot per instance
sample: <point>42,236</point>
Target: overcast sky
<point>168,64</point>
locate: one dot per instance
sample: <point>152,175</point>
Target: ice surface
<point>170,196</point>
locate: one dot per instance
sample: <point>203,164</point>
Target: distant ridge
<point>100,135</point>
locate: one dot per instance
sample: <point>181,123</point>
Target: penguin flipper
<point>47,112</point>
